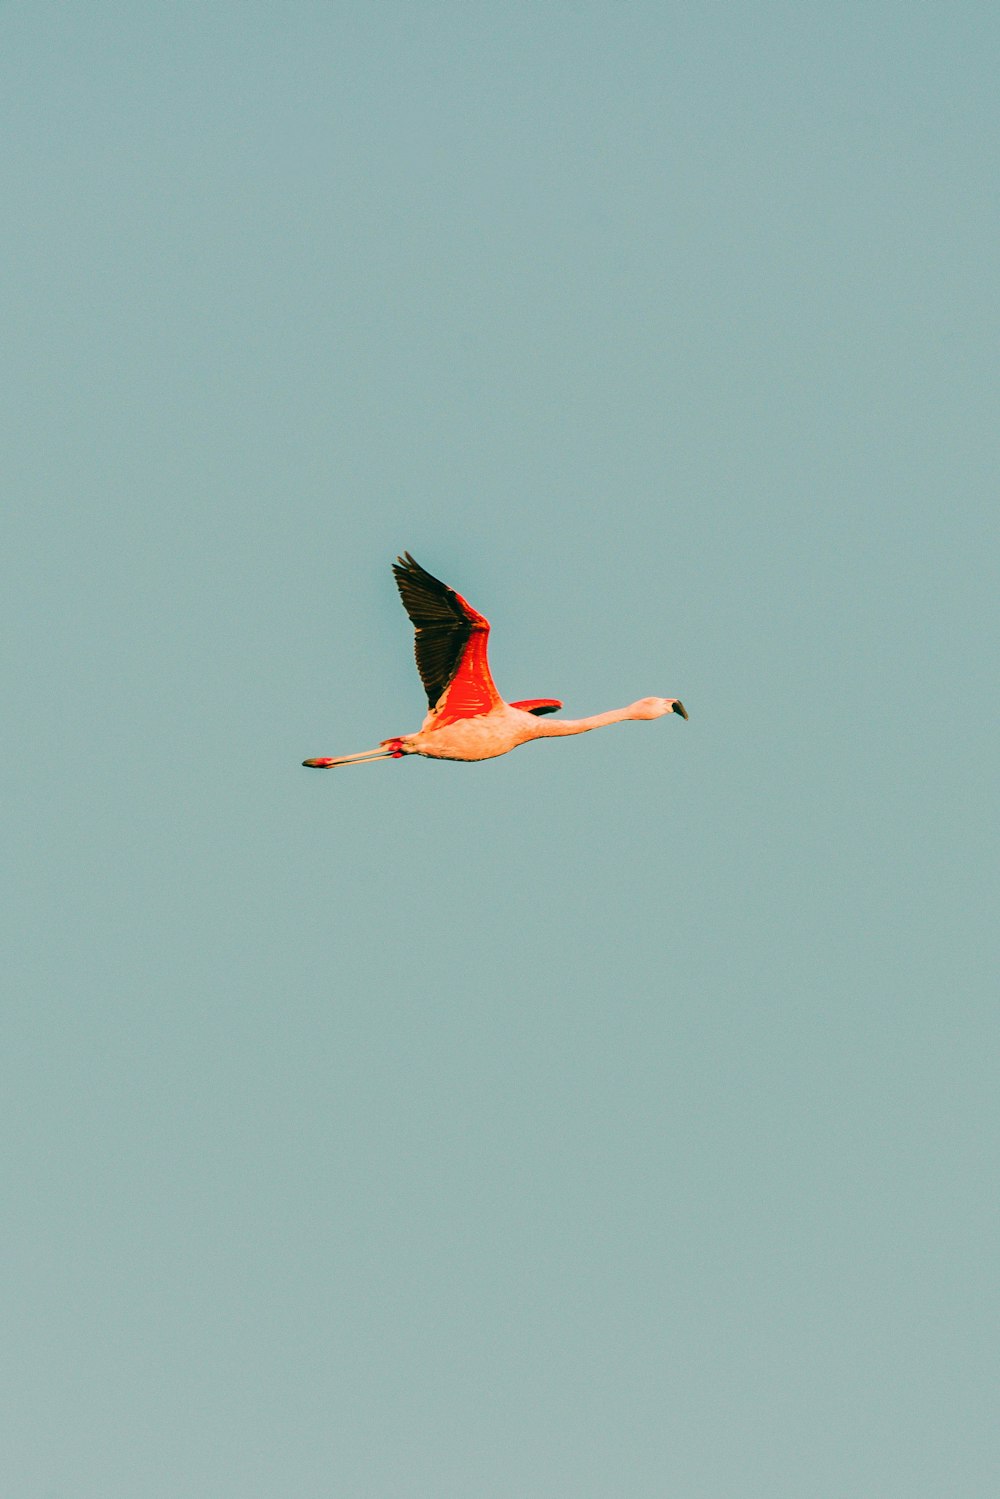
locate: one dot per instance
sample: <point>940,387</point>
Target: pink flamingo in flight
<point>468,719</point>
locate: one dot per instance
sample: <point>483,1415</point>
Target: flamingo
<point>468,719</point>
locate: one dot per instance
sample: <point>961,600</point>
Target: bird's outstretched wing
<point>450,644</point>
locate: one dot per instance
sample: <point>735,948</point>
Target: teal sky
<point>618,1117</point>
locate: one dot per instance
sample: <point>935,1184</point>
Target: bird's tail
<point>375,754</point>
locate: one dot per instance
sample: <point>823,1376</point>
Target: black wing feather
<point>442,626</point>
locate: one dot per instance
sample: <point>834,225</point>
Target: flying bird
<point>468,719</point>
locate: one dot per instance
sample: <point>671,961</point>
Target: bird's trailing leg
<point>325,764</point>
<point>389,749</point>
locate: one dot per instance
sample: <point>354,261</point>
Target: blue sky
<point>619,1116</point>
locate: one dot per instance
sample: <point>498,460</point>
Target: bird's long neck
<point>554,727</point>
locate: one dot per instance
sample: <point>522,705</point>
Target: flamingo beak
<point>680,708</point>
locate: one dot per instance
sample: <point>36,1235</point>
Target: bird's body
<point>468,719</point>
<point>482,737</point>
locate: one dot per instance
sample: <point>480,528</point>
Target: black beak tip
<point>680,708</point>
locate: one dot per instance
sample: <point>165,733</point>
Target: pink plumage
<point>467,717</point>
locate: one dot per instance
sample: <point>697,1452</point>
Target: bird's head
<point>656,707</point>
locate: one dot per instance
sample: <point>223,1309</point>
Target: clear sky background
<point>617,1118</point>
